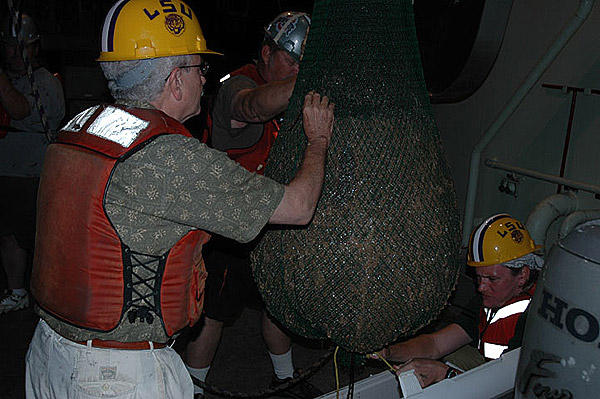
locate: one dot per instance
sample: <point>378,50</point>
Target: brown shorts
<point>229,284</point>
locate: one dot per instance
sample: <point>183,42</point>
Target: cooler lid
<point>584,241</point>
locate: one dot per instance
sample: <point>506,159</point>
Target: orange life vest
<point>497,327</point>
<point>82,270</point>
<point>253,158</point>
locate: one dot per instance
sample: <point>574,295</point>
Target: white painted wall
<point>533,136</point>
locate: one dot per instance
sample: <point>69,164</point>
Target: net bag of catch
<point>379,259</point>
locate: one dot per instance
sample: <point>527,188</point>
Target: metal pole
<point>591,188</point>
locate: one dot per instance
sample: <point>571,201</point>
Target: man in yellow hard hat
<point>502,252</point>
<point>127,199</point>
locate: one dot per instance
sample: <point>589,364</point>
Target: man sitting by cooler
<point>502,252</point>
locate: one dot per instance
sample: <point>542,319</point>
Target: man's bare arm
<point>262,103</point>
<point>428,346</point>
<point>302,193</point>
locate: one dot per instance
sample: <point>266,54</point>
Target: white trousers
<point>62,369</point>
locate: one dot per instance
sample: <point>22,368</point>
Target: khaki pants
<point>59,368</point>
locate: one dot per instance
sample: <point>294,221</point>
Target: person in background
<point>126,201</point>
<point>244,122</point>
<point>502,252</point>
<point>23,142</point>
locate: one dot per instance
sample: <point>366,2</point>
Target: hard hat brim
<point>112,56</point>
<point>495,262</point>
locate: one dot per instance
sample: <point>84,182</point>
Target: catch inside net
<point>379,260</point>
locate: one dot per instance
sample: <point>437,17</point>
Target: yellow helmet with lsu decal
<point>140,29</point>
<point>499,239</point>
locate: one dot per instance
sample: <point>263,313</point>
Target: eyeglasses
<point>203,68</point>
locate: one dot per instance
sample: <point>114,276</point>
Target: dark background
<point>70,30</point>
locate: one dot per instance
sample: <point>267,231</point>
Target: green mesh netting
<point>379,259</point>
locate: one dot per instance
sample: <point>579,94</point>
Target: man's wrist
<point>320,140</point>
<point>451,372</point>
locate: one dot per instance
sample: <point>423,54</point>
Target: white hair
<point>535,262</point>
<point>140,80</point>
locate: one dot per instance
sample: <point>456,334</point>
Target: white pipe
<point>547,211</point>
<point>575,219</point>
<point>580,16</point>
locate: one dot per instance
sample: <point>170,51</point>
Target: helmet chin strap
<point>14,26</point>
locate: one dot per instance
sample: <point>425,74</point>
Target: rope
<point>350,393</point>
<point>310,371</point>
<point>392,370</point>
<point>337,375</point>
<point>34,88</point>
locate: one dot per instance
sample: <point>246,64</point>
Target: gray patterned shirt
<point>171,186</point>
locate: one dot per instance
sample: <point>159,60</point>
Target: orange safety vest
<point>497,327</point>
<point>82,271</point>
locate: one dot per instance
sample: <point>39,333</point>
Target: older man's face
<point>282,65</point>
<point>498,285</point>
<point>194,87</point>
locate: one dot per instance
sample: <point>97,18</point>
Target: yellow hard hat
<point>140,29</point>
<point>500,238</point>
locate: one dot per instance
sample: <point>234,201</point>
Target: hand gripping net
<point>379,260</point>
